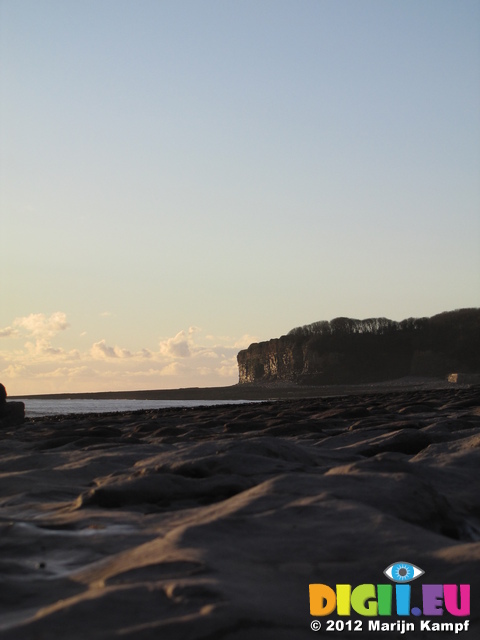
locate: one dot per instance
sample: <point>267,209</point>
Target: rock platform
<point>210,523</point>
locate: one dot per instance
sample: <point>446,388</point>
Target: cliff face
<point>351,351</point>
<point>277,359</point>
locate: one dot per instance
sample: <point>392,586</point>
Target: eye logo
<point>403,572</point>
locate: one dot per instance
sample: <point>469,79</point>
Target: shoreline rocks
<point>10,412</point>
<point>211,522</point>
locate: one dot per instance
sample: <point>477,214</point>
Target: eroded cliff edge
<point>350,351</point>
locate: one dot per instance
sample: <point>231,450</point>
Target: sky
<point>181,178</point>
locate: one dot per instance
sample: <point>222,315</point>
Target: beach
<point>211,522</point>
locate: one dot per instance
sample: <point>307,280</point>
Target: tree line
<point>351,350</point>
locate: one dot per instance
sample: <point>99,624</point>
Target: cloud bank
<point>34,360</point>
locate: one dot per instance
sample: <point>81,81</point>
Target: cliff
<point>349,351</point>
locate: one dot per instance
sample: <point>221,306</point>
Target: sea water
<point>35,408</point>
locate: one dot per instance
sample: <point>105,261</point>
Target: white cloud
<point>42,347</point>
<point>14,371</point>
<point>41,329</point>
<point>44,365</point>
<point>172,369</point>
<point>177,347</point>
<point>100,350</point>
<point>8,332</point>
<point>37,324</point>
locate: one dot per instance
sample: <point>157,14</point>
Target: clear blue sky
<point>182,177</point>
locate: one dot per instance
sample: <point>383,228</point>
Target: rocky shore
<point>210,523</point>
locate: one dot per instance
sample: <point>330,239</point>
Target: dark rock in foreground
<point>10,412</point>
<point>210,523</point>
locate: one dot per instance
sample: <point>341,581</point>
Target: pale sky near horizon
<point>180,178</point>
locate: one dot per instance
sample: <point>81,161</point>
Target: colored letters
<point>377,600</point>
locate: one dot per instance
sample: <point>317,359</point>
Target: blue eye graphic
<point>403,572</point>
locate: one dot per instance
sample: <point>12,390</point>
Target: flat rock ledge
<point>210,523</point>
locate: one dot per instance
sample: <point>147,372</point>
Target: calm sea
<point>36,408</point>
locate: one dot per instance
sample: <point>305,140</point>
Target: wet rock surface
<point>211,522</point>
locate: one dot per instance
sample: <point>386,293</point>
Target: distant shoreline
<point>272,391</point>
